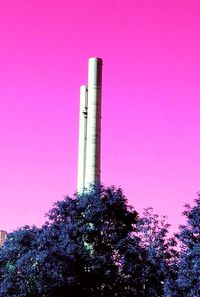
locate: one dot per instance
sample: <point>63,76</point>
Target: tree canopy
<point>189,265</point>
<point>79,250</point>
<point>95,244</point>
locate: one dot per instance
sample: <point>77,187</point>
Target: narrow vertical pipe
<point>2,237</point>
<point>82,138</point>
<point>93,154</point>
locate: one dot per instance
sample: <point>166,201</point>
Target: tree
<point>87,247</point>
<point>160,258</point>
<point>189,263</point>
<point>17,261</point>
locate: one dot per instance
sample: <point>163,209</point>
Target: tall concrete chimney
<point>93,154</point>
<point>89,171</point>
<point>82,138</point>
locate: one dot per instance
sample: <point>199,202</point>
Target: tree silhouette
<point>80,249</point>
<point>94,244</point>
<point>189,266</point>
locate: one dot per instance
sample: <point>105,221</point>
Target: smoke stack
<point>90,143</point>
<point>82,137</point>
<point>2,237</point>
<point>93,154</point>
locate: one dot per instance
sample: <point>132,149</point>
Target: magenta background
<point>151,104</point>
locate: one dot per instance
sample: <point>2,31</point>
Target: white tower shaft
<point>93,152</point>
<point>82,138</point>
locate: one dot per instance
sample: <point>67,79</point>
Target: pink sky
<point>151,101</point>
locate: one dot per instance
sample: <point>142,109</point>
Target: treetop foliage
<point>95,244</point>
